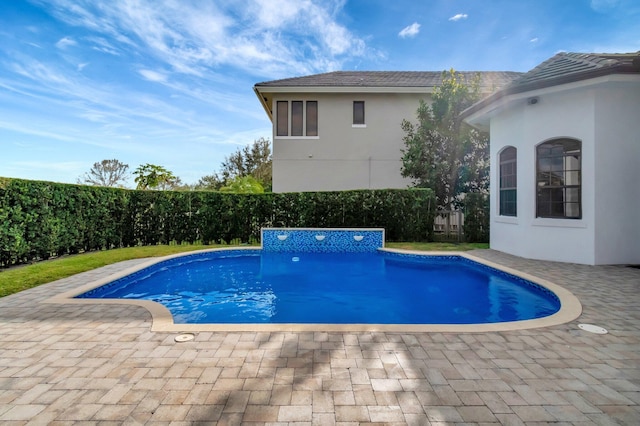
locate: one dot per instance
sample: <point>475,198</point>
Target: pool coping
<point>162,319</point>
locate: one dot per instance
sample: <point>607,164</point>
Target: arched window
<point>508,182</point>
<point>559,179</point>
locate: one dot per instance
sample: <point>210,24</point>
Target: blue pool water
<point>250,286</point>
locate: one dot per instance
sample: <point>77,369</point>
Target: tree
<point>443,153</point>
<point>243,185</point>
<point>252,160</point>
<point>150,176</point>
<point>210,183</point>
<point>111,173</point>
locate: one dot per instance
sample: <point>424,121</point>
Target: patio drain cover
<point>181,338</point>
<point>592,328</point>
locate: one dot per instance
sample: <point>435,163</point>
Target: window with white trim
<point>296,118</point>
<point>508,182</point>
<point>358,113</point>
<point>282,118</point>
<point>559,179</point>
<point>312,118</point>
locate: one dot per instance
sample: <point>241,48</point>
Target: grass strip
<point>21,278</point>
<point>16,279</point>
<point>438,246</point>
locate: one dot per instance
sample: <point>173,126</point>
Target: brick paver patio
<point>102,364</point>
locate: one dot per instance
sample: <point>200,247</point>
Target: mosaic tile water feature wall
<point>322,240</point>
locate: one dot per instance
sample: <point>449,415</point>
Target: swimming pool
<point>254,287</point>
<point>355,283</point>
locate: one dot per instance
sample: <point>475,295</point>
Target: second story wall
<point>342,155</point>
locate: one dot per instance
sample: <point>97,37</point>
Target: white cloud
<point>296,28</point>
<point>48,84</point>
<point>458,17</point>
<point>65,42</point>
<point>38,71</point>
<point>275,37</point>
<point>410,31</point>
<point>534,40</point>
<point>275,13</point>
<point>15,126</point>
<point>153,76</point>
<point>96,117</point>
<point>102,45</point>
<point>82,66</point>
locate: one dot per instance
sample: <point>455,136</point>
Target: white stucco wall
<point>524,127</point>
<point>617,208</point>
<point>605,117</point>
<point>343,156</point>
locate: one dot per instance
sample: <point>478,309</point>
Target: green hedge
<point>39,220</point>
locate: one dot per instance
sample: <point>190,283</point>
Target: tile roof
<point>489,79</point>
<point>565,68</point>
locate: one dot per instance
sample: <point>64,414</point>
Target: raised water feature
<point>322,240</point>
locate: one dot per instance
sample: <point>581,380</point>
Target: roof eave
<point>572,78</point>
<point>264,92</point>
<point>344,89</point>
<point>263,102</point>
<point>501,98</point>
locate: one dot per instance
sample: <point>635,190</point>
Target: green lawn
<point>20,278</point>
<point>438,246</point>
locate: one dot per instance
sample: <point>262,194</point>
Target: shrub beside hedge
<point>476,218</point>
<point>39,220</point>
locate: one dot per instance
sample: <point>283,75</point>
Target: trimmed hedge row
<point>39,220</point>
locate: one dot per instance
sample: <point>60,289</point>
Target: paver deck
<point>102,364</point>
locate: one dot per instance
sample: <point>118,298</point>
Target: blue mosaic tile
<point>322,240</point>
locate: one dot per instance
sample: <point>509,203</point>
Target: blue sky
<point>170,82</point>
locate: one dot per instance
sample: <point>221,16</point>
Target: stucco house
<point>565,160</point>
<point>341,130</point>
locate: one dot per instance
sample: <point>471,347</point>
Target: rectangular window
<point>282,127</point>
<point>559,179</point>
<point>302,122</point>
<point>312,118</point>
<point>296,118</point>
<point>358,112</point>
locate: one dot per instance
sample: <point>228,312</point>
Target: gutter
<point>263,102</point>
